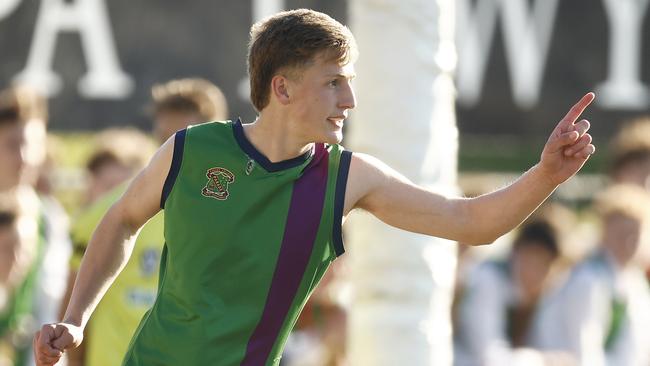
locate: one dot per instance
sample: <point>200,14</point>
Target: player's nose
<point>347,99</point>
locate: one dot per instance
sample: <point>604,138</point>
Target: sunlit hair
<point>190,95</point>
<point>125,146</point>
<point>631,144</point>
<point>624,199</point>
<point>26,102</point>
<point>291,40</point>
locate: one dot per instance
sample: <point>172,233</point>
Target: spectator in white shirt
<point>506,304</point>
<point>607,299</point>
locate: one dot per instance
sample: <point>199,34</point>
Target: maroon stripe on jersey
<point>303,220</point>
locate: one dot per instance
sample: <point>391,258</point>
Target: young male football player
<point>253,212</point>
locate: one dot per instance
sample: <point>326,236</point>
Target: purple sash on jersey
<point>303,220</point>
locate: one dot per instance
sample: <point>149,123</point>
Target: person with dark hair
<point>253,212</point>
<point>507,305</point>
<point>119,153</point>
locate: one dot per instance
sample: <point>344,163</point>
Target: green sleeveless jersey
<point>247,241</point>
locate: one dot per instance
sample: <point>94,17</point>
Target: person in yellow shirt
<point>176,104</point>
<point>118,154</point>
<point>134,291</point>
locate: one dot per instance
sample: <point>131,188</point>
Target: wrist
<point>76,321</point>
<point>543,177</point>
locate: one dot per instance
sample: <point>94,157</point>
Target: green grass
<point>510,154</point>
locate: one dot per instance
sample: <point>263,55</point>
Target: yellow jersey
<point>134,291</point>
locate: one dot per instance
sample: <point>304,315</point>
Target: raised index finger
<point>576,111</point>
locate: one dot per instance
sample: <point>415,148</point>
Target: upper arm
<point>391,197</point>
<point>141,201</point>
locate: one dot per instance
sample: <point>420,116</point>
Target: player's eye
<point>333,83</point>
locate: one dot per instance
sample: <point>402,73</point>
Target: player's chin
<point>334,137</point>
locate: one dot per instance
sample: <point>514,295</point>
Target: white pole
<point>264,8</point>
<point>402,283</point>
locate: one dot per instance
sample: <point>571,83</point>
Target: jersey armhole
<point>339,201</point>
<point>177,158</point>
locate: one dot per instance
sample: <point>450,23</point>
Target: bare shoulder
<point>143,196</point>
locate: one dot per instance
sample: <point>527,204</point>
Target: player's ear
<point>280,89</point>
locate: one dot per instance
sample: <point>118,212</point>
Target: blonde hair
<point>193,95</point>
<point>27,101</point>
<point>292,39</point>
<point>631,143</point>
<point>624,199</point>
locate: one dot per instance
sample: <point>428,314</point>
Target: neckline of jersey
<point>261,159</point>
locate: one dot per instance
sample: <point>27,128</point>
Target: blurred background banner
<point>458,95</point>
<point>98,59</point>
<point>520,62</point>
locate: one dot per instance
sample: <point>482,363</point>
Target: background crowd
<point>531,299</point>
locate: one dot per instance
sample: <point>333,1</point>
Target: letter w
<point>527,36</point>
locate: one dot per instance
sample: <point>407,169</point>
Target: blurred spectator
<point>179,103</point>
<point>607,299</point>
<point>507,305</point>
<point>630,151</point>
<point>630,156</point>
<point>44,184</point>
<point>118,155</point>
<point>23,119</point>
<point>31,110</point>
<point>12,139</point>
<point>18,265</point>
<point>176,104</point>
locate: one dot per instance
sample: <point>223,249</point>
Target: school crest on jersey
<point>218,181</point>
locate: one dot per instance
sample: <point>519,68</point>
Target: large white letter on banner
<point>104,78</point>
<point>7,7</point>
<point>623,88</point>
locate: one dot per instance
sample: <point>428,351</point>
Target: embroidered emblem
<point>217,186</point>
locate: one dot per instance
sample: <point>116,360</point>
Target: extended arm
<point>107,253</point>
<point>376,188</point>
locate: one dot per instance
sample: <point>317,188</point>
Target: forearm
<point>491,215</point>
<point>106,255</point>
<point>77,356</point>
